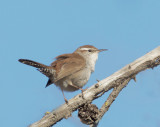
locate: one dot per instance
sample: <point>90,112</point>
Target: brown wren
<point>69,72</point>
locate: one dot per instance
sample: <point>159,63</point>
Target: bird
<point>69,72</point>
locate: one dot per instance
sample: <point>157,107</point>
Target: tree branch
<point>110,100</point>
<point>117,81</point>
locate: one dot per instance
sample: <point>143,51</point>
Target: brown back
<point>68,64</point>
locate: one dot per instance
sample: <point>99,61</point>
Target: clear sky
<point>42,29</point>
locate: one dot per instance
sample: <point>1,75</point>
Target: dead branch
<point>117,81</point>
<point>110,100</point>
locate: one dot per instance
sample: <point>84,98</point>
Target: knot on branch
<point>88,113</point>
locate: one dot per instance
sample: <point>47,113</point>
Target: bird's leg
<point>82,90</point>
<point>64,97</point>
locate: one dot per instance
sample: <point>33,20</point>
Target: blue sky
<point>40,30</point>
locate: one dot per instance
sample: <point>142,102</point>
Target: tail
<point>46,70</point>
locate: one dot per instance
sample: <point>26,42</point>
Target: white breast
<point>92,61</point>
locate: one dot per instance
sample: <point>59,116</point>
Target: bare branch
<point>110,100</point>
<point>117,81</point>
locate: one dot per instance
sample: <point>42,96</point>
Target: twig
<point>110,100</point>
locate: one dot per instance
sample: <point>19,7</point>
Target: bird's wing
<point>68,64</point>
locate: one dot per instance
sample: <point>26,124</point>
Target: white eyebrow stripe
<point>85,48</point>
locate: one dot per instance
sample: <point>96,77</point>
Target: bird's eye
<point>89,50</point>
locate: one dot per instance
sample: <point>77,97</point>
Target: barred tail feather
<point>46,70</point>
<point>32,63</point>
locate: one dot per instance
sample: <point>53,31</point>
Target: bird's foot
<point>82,90</point>
<point>66,100</point>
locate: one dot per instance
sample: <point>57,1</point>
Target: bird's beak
<point>100,50</point>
